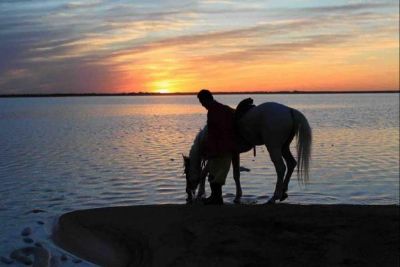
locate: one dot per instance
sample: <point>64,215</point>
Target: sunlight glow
<point>163,86</point>
<point>173,47</point>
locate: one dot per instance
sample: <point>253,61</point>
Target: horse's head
<point>192,165</point>
<point>192,169</point>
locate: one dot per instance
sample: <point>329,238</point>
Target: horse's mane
<point>195,152</point>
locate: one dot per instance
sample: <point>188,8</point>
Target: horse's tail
<point>304,141</point>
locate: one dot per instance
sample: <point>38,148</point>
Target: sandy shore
<point>233,235</point>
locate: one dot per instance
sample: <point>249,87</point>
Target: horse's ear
<point>184,157</point>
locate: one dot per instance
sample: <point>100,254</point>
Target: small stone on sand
<point>23,255</point>
<point>76,261</point>
<point>38,244</point>
<point>64,257</point>
<point>27,231</point>
<point>19,255</point>
<point>40,222</point>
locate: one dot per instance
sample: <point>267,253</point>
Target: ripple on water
<point>86,153</point>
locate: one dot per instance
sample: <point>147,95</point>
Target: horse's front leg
<point>236,176</point>
<point>201,193</point>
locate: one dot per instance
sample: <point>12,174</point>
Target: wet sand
<point>233,235</point>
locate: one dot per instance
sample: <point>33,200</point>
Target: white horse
<point>271,124</point>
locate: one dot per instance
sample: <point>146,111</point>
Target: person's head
<point>205,97</point>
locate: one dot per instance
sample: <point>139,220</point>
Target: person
<point>219,144</point>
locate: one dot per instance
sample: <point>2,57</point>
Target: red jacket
<point>220,138</point>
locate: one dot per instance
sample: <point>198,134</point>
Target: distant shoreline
<point>194,93</point>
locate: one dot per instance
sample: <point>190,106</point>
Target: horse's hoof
<point>271,201</point>
<point>201,195</point>
<point>237,201</point>
<point>200,198</point>
<point>283,197</point>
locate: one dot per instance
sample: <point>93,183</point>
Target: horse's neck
<point>195,151</point>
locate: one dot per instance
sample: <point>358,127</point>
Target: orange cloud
<point>222,45</point>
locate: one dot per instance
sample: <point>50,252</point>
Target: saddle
<point>242,108</point>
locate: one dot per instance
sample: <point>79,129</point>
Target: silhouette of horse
<point>271,124</point>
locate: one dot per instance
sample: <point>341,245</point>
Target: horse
<point>271,124</point>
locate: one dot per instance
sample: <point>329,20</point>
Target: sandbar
<point>233,235</point>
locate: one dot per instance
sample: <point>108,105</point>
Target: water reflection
<point>61,154</point>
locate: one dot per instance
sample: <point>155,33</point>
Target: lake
<point>63,154</point>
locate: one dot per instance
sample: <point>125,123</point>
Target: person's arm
<point>213,124</point>
<point>212,134</point>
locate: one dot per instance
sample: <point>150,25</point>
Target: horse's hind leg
<point>276,157</point>
<point>290,164</point>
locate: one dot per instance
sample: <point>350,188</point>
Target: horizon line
<point>195,93</point>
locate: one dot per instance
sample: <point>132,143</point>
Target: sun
<point>163,91</point>
<point>163,86</point>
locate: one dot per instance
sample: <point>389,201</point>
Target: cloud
<point>82,4</point>
<point>14,74</point>
<point>347,7</point>
<point>282,50</point>
<point>52,39</point>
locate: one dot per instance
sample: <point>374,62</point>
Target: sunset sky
<point>59,46</point>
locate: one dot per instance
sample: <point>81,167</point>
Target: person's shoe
<point>210,200</point>
<point>216,195</point>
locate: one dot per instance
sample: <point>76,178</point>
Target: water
<point>63,154</point>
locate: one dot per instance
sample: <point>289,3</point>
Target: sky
<point>59,46</point>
